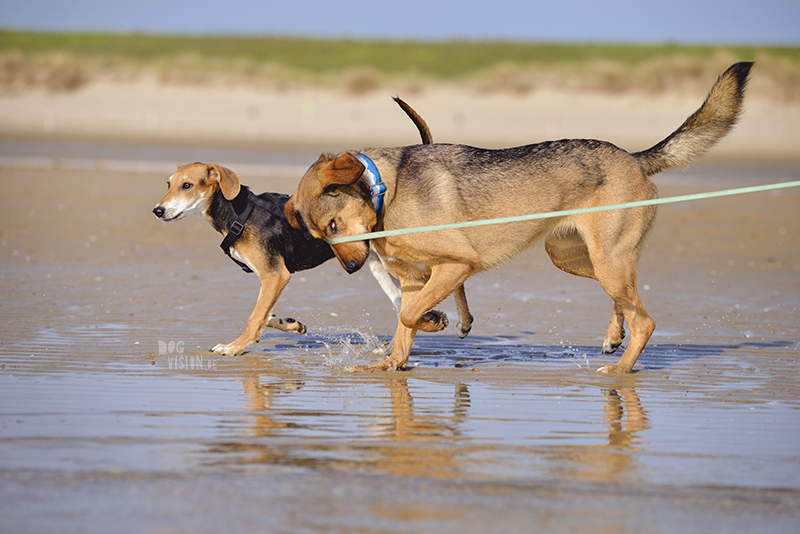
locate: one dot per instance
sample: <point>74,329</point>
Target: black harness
<point>237,227</point>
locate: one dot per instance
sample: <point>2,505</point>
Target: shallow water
<point>113,412</point>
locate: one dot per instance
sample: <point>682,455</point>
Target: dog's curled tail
<point>704,128</point>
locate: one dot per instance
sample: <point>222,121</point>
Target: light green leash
<point>563,213</point>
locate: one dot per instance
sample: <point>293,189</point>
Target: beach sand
<point>326,120</point>
<point>113,412</point>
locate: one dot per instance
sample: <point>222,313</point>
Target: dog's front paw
<point>613,368</point>
<point>230,349</point>
<point>221,348</point>
<point>433,321</point>
<point>224,349</point>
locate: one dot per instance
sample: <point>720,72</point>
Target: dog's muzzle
<point>352,256</point>
<point>352,266</point>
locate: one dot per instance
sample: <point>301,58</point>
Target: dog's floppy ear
<point>344,169</point>
<point>291,214</point>
<point>228,180</point>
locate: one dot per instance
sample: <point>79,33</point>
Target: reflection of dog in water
<point>402,441</point>
<point>625,417</point>
<point>259,239</point>
<point>444,184</point>
<point>405,439</point>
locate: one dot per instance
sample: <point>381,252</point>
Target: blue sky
<point>749,22</point>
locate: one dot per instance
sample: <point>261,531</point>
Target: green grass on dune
<point>495,64</point>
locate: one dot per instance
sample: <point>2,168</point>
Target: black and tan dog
<point>441,184</point>
<point>259,239</point>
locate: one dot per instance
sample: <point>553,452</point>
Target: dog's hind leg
<point>615,333</point>
<point>569,252</point>
<point>615,269</point>
<point>619,281</point>
<point>614,265</point>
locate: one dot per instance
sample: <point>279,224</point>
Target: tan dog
<point>442,184</point>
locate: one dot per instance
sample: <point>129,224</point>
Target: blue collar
<point>376,187</point>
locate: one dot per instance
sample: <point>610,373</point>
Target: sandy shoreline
<point>327,120</point>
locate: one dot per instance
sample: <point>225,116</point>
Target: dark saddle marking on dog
<point>291,238</point>
<point>237,227</point>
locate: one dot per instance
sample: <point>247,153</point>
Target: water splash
<point>345,351</point>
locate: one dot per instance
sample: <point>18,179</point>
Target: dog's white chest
<point>238,257</point>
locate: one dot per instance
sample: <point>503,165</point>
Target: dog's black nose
<point>158,211</point>
<point>352,266</point>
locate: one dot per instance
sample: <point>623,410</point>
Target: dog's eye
<point>332,227</point>
<point>186,186</point>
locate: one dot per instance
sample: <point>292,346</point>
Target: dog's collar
<point>376,187</point>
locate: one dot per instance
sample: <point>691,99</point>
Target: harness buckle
<point>236,228</point>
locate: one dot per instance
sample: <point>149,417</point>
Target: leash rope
<point>563,213</point>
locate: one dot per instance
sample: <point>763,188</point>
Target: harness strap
<point>234,232</point>
<point>237,227</point>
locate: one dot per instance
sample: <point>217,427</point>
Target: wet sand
<point>112,412</point>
